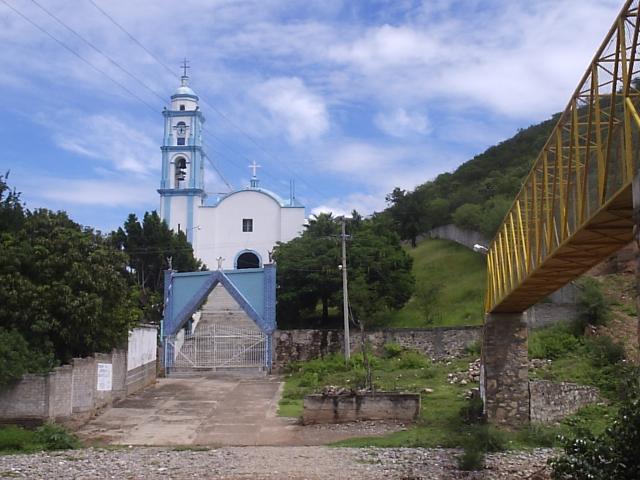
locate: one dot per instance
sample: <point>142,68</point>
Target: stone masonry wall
<point>437,343</point>
<point>552,401</point>
<point>505,376</point>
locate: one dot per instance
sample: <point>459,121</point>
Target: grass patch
<point>459,272</point>
<point>15,439</point>
<point>447,418</point>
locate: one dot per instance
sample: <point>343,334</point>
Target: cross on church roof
<point>254,166</point>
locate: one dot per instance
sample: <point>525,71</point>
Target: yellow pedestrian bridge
<point>575,208</point>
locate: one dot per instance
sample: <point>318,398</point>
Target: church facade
<point>234,230</point>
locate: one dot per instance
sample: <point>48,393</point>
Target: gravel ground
<point>262,463</point>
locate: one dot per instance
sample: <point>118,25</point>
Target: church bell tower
<point>182,184</point>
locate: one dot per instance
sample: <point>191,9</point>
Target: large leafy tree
<point>63,288</point>
<point>150,247</point>
<point>308,275</point>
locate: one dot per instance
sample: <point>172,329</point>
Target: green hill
<point>477,194</point>
<point>460,274</point>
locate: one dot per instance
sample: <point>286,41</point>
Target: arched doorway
<point>247,260</point>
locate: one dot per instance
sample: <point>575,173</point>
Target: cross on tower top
<point>185,66</point>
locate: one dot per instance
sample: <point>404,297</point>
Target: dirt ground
<point>213,411</point>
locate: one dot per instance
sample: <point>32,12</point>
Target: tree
<point>426,297</point>
<point>408,213</point>
<point>379,269</point>
<point>149,246</point>
<point>615,454</point>
<point>63,288</point>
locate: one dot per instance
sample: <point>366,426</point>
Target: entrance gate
<point>218,346</point>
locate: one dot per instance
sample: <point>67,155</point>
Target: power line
<point>72,51</point>
<point>215,109</point>
<point>120,67</point>
<point>134,39</point>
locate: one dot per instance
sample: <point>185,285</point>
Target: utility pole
<point>345,293</point>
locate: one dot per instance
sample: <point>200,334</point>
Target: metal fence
<point>217,347</point>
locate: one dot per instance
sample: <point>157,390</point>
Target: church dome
<point>184,90</point>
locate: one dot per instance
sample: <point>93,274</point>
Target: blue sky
<point>349,98</point>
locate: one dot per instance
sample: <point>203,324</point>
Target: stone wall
<point>437,343</point>
<point>552,401</point>
<point>368,406</point>
<point>504,383</point>
<point>73,392</point>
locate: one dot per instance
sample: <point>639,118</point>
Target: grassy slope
<point>459,271</point>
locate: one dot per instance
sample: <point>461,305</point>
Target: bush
<point>474,348</point>
<point>472,458</point>
<point>473,411</point>
<point>392,350</point>
<point>552,342</point>
<point>56,437</point>
<point>604,351</point>
<point>611,455</point>
<point>308,379</point>
<point>593,308</point>
<point>538,436</point>
<point>410,359</point>
<point>18,439</point>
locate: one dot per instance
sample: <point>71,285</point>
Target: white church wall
<point>178,213</point>
<point>291,223</point>
<point>189,103</point>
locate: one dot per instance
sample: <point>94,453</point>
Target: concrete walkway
<point>214,410</point>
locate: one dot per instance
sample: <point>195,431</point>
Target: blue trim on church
<point>253,289</point>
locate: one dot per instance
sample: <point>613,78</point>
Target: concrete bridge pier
<point>505,363</point>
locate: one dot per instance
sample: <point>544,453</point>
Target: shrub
<point>392,350</point>
<point>14,438</point>
<point>473,411</point>
<point>552,342</point>
<point>308,379</point>
<point>604,351</point>
<point>538,436</point>
<point>56,437</point>
<point>474,348</point>
<point>471,459</point>
<point>593,308</point>
<point>611,455</point>
<point>410,359</point>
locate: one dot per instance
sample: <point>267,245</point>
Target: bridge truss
<point>575,208</point>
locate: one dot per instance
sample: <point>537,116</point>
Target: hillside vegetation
<point>477,194</point>
<point>456,276</point>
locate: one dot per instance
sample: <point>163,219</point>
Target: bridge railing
<point>549,237</point>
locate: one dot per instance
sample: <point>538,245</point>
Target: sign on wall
<point>105,373</point>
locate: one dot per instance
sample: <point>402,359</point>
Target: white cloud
<point>295,109</point>
<point>59,192</point>
<point>364,204</point>
<point>401,123</point>
<point>125,144</point>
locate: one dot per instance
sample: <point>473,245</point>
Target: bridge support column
<point>505,365</point>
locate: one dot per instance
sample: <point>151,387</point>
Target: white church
<point>235,230</point>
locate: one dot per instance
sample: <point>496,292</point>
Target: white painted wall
<point>221,234</point>
<point>142,347</point>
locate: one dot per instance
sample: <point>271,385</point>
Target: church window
<point>181,131</point>
<point>180,171</point>
<point>248,260</point>
<point>181,107</point>
<point>247,224</point>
